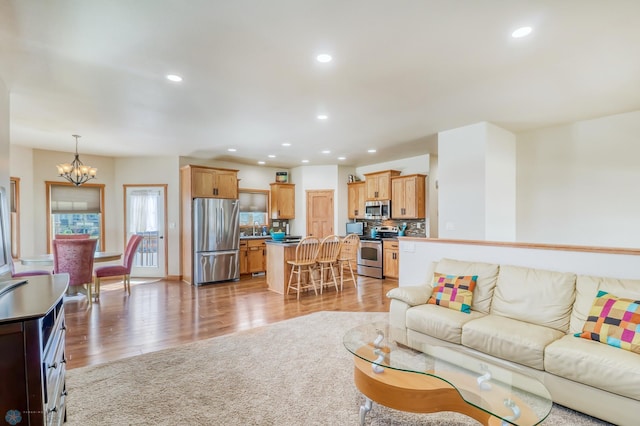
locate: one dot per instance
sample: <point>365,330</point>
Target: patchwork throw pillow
<point>453,291</point>
<point>614,321</point>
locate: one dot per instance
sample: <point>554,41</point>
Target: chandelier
<point>76,172</point>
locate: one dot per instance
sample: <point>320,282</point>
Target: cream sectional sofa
<point>525,319</point>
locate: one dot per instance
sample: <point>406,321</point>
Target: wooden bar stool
<point>305,261</point>
<point>327,258</point>
<point>348,257</point>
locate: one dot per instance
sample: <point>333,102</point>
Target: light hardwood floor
<point>161,314</point>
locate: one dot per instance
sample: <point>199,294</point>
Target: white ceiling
<point>402,71</point>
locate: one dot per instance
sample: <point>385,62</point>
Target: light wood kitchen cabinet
<point>356,196</point>
<point>256,256</point>
<point>391,259</point>
<point>283,201</point>
<point>213,183</point>
<point>408,197</point>
<point>253,256</point>
<point>244,257</point>
<point>379,185</point>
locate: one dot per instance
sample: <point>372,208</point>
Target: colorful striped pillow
<point>453,291</point>
<point>614,321</point>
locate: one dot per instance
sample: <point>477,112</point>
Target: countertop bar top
<point>268,237</point>
<point>285,243</point>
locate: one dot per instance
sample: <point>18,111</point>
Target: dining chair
<point>123,270</point>
<point>22,274</point>
<point>348,257</point>
<point>72,236</point>
<point>75,257</point>
<point>327,258</point>
<point>305,261</point>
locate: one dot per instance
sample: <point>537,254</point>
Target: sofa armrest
<point>412,296</point>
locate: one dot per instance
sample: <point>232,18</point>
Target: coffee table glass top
<point>511,396</point>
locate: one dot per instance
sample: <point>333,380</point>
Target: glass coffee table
<point>441,378</point>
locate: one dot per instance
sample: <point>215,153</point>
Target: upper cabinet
<point>408,197</point>
<point>379,185</point>
<point>210,182</point>
<point>357,195</point>
<point>283,201</point>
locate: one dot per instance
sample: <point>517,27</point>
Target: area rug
<point>295,372</point>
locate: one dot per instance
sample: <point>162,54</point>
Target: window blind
<point>70,199</point>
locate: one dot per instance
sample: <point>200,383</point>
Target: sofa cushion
<point>535,296</point>
<point>509,339</point>
<point>587,288</point>
<point>453,291</point>
<point>614,321</point>
<point>487,274</point>
<point>594,364</point>
<point>436,321</point>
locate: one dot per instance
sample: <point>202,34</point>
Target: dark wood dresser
<point>32,352</point>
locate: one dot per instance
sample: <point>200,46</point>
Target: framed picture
<point>282,177</point>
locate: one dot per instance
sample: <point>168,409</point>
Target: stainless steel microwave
<point>377,210</point>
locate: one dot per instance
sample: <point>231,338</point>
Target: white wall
<point>476,176</point>
<point>4,136</point>
<point>461,171</point>
<point>315,178</point>
<point>579,183</point>
<point>4,149</point>
<point>500,184</point>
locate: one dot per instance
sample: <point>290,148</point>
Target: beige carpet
<point>295,372</point>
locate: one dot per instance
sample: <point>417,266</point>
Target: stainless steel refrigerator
<point>216,240</point>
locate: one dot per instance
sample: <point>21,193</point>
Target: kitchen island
<point>278,270</point>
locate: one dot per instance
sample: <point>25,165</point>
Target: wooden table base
<point>418,393</point>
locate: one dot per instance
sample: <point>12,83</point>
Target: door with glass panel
<point>145,207</point>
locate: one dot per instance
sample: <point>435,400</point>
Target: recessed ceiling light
<point>271,156</point>
<point>324,58</point>
<point>521,32</point>
<point>371,151</point>
<point>286,144</point>
<point>342,158</point>
<point>231,149</point>
<point>326,151</point>
<point>322,117</point>
<point>261,162</point>
<point>305,161</point>
<point>175,78</point>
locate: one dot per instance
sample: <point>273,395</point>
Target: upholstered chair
<point>123,270</point>
<point>72,236</point>
<point>23,274</point>
<point>75,257</point>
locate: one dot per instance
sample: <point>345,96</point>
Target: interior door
<point>145,207</point>
<point>320,213</point>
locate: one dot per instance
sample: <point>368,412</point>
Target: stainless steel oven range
<point>370,256</point>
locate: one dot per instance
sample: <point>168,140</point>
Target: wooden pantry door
<point>320,213</point>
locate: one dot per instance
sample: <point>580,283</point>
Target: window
<point>75,210</point>
<point>253,207</point>
<point>14,211</point>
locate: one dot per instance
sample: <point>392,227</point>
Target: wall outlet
<point>419,225</point>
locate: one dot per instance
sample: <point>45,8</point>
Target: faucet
<point>254,227</point>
